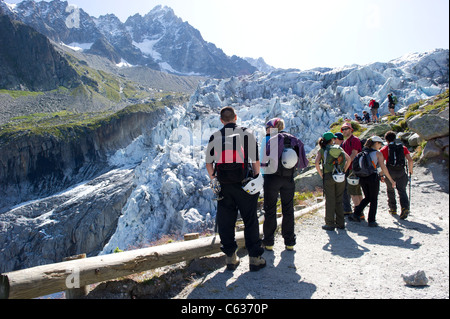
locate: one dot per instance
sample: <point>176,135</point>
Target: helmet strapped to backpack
<point>289,158</point>
<point>254,185</point>
<point>353,180</point>
<point>338,176</point>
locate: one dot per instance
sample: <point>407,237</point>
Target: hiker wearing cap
<point>352,146</point>
<point>335,163</point>
<point>371,184</point>
<point>231,158</point>
<point>397,157</point>
<point>339,139</point>
<point>284,154</point>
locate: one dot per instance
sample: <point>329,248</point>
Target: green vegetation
<point>358,129</point>
<point>66,124</point>
<point>16,94</point>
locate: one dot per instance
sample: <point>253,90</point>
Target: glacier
<point>172,194</point>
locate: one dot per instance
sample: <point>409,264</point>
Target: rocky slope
<point>29,62</point>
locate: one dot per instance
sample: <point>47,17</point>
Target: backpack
<point>363,164</point>
<point>232,165</point>
<point>333,159</point>
<point>396,156</point>
<point>376,105</point>
<point>283,171</point>
<point>394,99</point>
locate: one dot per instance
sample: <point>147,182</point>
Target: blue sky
<point>302,33</point>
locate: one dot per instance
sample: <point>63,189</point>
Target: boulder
<point>431,150</point>
<point>415,140</point>
<point>429,126</point>
<point>378,130</point>
<point>308,181</point>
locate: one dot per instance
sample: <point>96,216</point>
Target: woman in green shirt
<point>335,163</point>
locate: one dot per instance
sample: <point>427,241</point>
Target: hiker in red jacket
<point>374,106</point>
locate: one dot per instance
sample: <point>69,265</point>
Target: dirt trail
<point>359,262</point>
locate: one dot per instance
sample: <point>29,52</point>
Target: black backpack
<point>363,165</point>
<point>283,171</point>
<point>396,156</point>
<point>233,166</point>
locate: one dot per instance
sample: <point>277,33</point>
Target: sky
<point>303,34</point>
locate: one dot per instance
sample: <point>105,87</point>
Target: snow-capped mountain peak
<point>159,39</point>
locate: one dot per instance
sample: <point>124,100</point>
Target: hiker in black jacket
<point>231,157</point>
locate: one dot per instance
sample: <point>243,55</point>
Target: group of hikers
<point>239,173</point>
<point>374,106</point>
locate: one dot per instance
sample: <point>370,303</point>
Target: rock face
<point>28,60</point>
<point>79,220</point>
<point>39,165</point>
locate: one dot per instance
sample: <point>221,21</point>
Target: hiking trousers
<point>401,180</point>
<point>285,186</point>
<point>334,194</point>
<point>371,187</point>
<point>236,199</point>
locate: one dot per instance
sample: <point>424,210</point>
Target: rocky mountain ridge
<point>159,40</point>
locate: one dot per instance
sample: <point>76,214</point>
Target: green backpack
<point>333,159</point>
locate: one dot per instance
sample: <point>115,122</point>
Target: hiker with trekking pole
<point>398,158</point>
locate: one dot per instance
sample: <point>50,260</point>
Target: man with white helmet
<point>284,154</point>
<point>232,161</point>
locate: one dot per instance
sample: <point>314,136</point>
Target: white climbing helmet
<point>289,158</point>
<point>339,177</point>
<point>353,180</point>
<point>254,185</point>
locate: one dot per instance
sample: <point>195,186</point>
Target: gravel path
<point>359,262</point>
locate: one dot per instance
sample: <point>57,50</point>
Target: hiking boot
<point>393,212</point>
<point>363,217</point>
<point>373,224</point>
<point>257,263</point>
<point>354,218</point>
<point>405,213</point>
<point>328,227</point>
<point>232,261</point>
<point>290,248</point>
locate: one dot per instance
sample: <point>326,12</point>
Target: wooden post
<point>76,292</point>
<point>48,279</point>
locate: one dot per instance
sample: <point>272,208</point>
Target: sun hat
<point>346,125</point>
<point>328,136</point>
<point>377,139</point>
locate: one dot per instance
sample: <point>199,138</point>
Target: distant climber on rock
<point>392,102</point>
<point>374,106</point>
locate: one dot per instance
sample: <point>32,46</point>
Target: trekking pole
<point>409,190</point>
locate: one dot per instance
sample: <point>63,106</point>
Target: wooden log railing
<point>74,274</point>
